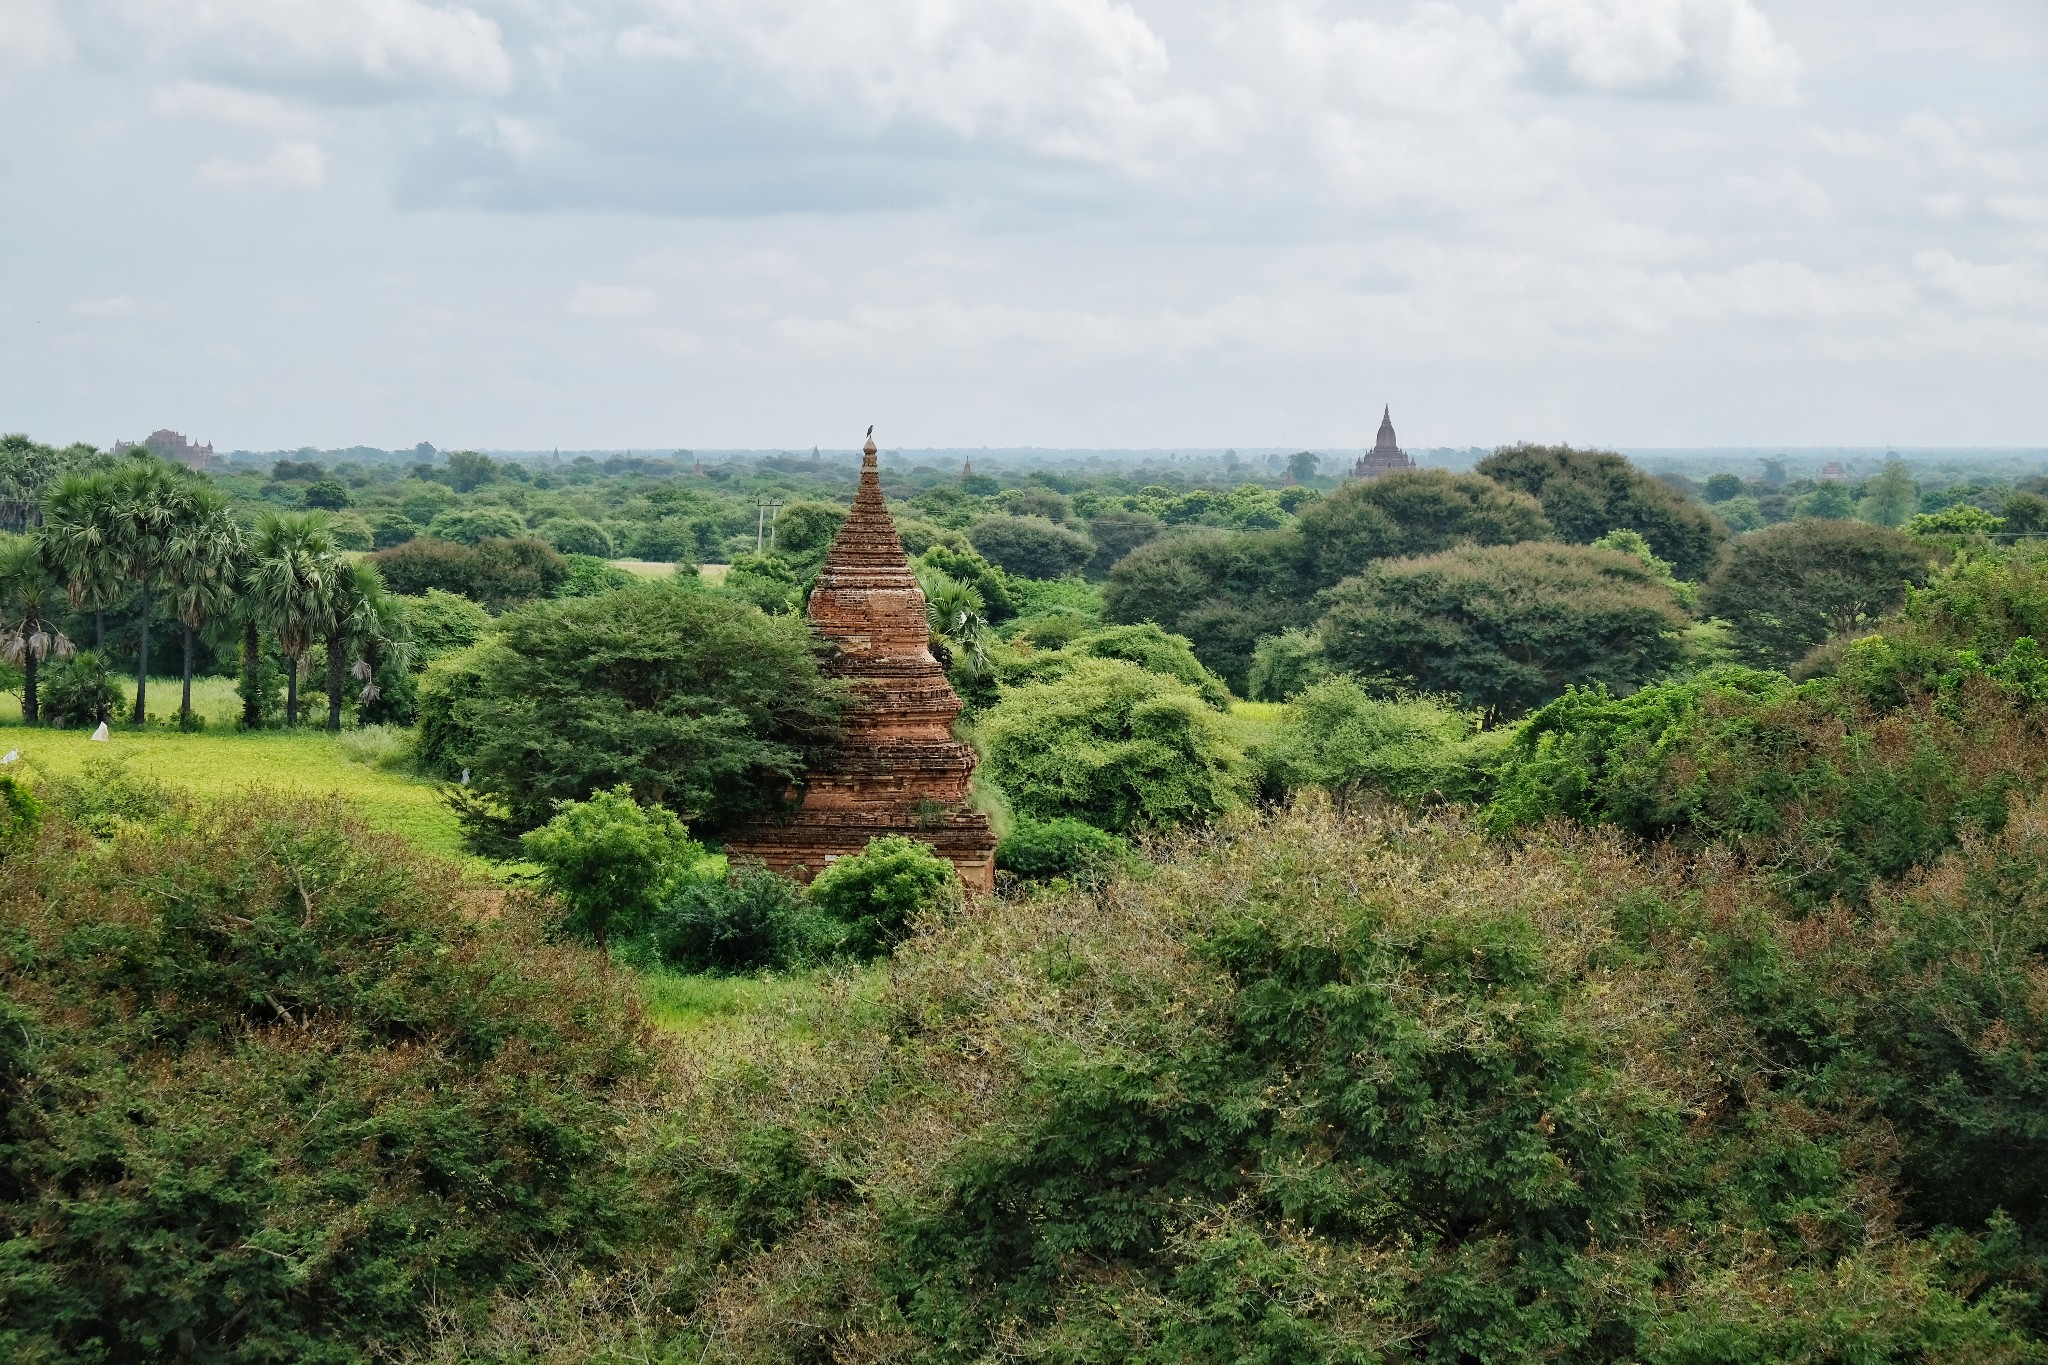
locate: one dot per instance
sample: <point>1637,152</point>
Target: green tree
<point>442,623</point>
<point>1505,627</point>
<point>1286,663</point>
<point>1224,592</point>
<point>468,470</point>
<point>1416,512</point>
<point>1587,493</point>
<point>1890,498</point>
<point>1828,501</point>
<point>1031,547</point>
<point>474,525</point>
<point>204,564</point>
<point>499,573</point>
<point>1116,534</point>
<point>81,536</point>
<point>1304,465</point>
<point>1722,487</point>
<point>292,581</point>
<point>958,622</point>
<point>150,501</point>
<point>1114,745</point>
<point>1340,738</point>
<point>963,565</point>
<point>695,701</point>
<point>875,896</point>
<point>327,495</point>
<point>28,635</point>
<point>28,468</point>
<point>2025,515</point>
<point>577,536</point>
<point>610,859</point>
<point>365,629</point>
<point>1786,589</point>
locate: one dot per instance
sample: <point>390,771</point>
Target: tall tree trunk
<point>334,682</point>
<point>31,709</point>
<point>252,677</point>
<point>291,693</point>
<point>142,663</point>
<point>185,701</point>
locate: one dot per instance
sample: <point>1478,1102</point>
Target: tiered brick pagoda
<point>898,770</point>
<point>1386,456</point>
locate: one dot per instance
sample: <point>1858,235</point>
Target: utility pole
<point>764,526</point>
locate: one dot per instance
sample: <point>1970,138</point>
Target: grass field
<point>311,763</point>
<point>655,568</point>
<point>213,698</point>
<point>1253,723</point>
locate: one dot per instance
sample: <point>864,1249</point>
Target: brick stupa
<point>898,769</point>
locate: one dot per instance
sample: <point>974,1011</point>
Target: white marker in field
<point>101,733</point>
<point>10,756</point>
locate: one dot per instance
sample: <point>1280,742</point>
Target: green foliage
<point>1890,498</point>
<point>104,797</point>
<point>1039,850</point>
<point>1723,487</point>
<point>968,567</point>
<point>589,576</point>
<point>1828,501</point>
<point>474,525</point>
<point>1223,592</point>
<point>317,1093</point>
<point>804,531</point>
<point>875,896</point>
<point>79,691</point>
<point>1151,649</point>
<point>327,495</point>
<point>21,815</point>
<point>1416,512</point>
<point>1113,745</point>
<point>694,701</point>
<point>766,582</point>
<point>1961,525</point>
<point>611,860</point>
<point>1505,628</point>
<point>578,536</point>
<point>496,573</point>
<point>1339,737</point>
<point>442,623</point>
<point>1587,493</point>
<point>1116,534</point>
<point>750,921</point>
<point>1286,663</point>
<point>1787,589</point>
<point>1031,547</point>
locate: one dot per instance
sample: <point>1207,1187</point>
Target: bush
<point>1037,850</point>
<point>1222,592</point>
<point>965,566</point>
<point>1787,589</point>
<point>496,573</point>
<point>1505,628</point>
<point>1031,547</point>
<point>79,691</point>
<point>751,921</point>
<point>765,582</point>
<point>390,528</point>
<point>873,897</point>
<point>442,623</point>
<point>1113,745</point>
<point>611,860</point>
<point>589,576</point>
<point>1284,664</point>
<point>1339,738</point>
<point>474,525</point>
<point>1155,651</point>
<point>696,702</point>
<point>325,1092</point>
<point>577,536</point>
<point>351,532</point>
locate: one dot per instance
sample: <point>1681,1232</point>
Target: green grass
<point>655,568</point>
<point>1252,723</point>
<point>213,698</point>
<point>310,762</point>
<point>680,1002</point>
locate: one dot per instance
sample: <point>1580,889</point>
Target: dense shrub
<point>272,1088</point>
<point>1031,547</point>
<point>873,897</point>
<point>1415,512</point>
<point>79,691</point>
<point>1786,589</point>
<point>442,623</point>
<point>1116,534</point>
<point>578,536</point>
<point>1338,737</point>
<point>1506,627</point>
<point>963,565</point>
<point>1224,592</point>
<point>1147,646</point>
<point>1113,745</point>
<point>1587,493</point>
<point>694,701</point>
<point>611,860</point>
<point>474,525</point>
<point>1286,663</point>
<point>1040,849</point>
<point>589,576</point>
<point>497,573</point>
<point>750,921</point>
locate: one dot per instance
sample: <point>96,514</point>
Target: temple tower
<point>898,769</point>
<point>1386,456</point>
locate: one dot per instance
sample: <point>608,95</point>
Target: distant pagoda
<point>898,769</point>
<point>1385,457</point>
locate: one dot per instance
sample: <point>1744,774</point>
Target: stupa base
<point>808,841</point>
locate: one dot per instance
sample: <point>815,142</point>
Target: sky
<point>757,223</point>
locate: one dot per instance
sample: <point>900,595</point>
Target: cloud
<point>297,165</point>
<point>612,301</point>
<point>119,306</point>
<point>335,49</point>
<point>31,34</point>
<point>1723,48</point>
<point>225,104</point>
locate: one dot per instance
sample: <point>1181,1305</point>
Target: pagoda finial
<point>867,452</point>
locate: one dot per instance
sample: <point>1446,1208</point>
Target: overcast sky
<point>718,223</point>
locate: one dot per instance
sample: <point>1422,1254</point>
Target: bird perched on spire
<point>871,429</point>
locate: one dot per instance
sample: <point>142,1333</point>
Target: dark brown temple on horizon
<point>898,769</point>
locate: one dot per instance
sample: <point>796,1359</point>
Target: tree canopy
<point>1413,512</point>
<point>1788,588</point>
<point>1031,547</point>
<point>1587,493</point>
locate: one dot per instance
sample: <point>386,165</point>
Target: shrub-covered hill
<point>1318,1089</point>
<point>273,1087</point>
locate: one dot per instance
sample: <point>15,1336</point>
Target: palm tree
<point>958,620</point>
<point>28,636</point>
<point>367,621</point>
<point>148,504</point>
<point>204,566</point>
<point>82,526</point>
<point>292,580</point>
